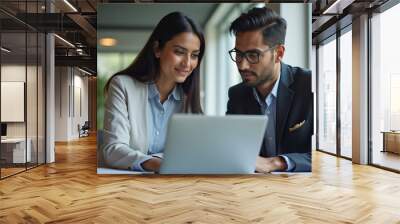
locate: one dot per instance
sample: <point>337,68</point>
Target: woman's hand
<point>152,164</point>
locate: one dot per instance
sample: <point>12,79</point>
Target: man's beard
<point>259,79</point>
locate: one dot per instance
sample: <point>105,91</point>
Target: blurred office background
<point>50,68</point>
<point>123,29</point>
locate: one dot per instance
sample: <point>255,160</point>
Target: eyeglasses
<point>252,56</point>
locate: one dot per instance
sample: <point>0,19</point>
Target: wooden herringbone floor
<point>70,191</point>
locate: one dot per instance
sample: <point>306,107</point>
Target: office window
<point>107,65</point>
<point>346,94</point>
<point>385,88</point>
<point>219,72</point>
<point>327,97</point>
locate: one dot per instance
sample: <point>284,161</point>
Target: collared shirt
<point>159,114</point>
<point>268,108</point>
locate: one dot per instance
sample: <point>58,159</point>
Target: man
<point>279,91</point>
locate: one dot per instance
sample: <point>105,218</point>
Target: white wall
<point>69,82</point>
<point>12,73</point>
<point>61,103</point>
<point>80,83</point>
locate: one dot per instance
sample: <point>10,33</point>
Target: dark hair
<point>146,67</point>
<point>273,26</point>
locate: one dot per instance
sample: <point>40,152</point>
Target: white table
<point>16,147</point>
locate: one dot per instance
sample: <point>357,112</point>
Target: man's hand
<point>152,164</point>
<point>270,164</point>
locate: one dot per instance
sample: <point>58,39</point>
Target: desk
<point>13,150</point>
<point>102,170</point>
<point>391,141</point>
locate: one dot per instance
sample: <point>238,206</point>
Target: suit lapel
<point>284,102</point>
<point>252,105</point>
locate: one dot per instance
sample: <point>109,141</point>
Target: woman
<point>161,81</point>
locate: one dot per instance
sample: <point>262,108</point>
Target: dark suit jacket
<point>294,105</point>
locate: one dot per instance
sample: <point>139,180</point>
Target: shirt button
<point>157,132</point>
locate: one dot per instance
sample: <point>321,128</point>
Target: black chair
<point>84,130</point>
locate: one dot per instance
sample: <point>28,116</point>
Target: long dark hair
<point>146,67</point>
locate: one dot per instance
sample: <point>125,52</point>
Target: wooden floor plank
<point>70,191</point>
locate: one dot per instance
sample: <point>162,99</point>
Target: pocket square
<point>297,126</point>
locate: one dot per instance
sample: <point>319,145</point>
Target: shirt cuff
<point>289,163</point>
<point>158,155</point>
<point>138,165</point>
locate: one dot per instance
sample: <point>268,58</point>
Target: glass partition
<point>13,108</point>
<point>346,94</point>
<point>327,97</point>
<point>22,87</point>
<point>385,89</point>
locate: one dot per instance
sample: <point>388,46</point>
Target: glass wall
<point>326,137</point>
<point>385,89</point>
<point>335,74</point>
<point>13,92</point>
<point>346,94</point>
<point>22,91</point>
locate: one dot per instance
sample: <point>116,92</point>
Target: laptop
<point>199,144</point>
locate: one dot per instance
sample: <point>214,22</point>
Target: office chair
<point>84,130</point>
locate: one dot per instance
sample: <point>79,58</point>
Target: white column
<point>360,90</point>
<point>50,99</point>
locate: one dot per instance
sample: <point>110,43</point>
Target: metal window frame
<point>44,72</point>
<point>381,9</point>
<point>335,37</point>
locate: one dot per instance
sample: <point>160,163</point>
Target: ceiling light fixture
<point>5,49</point>
<point>84,71</point>
<point>70,5</point>
<point>337,7</point>
<point>65,41</point>
<point>79,51</point>
<point>108,42</point>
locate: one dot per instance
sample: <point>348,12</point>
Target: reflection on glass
<point>346,94</point>
<point>327,97</point>
<point>23,82</point>
<point>13,86</point>
<point>385,85</point>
